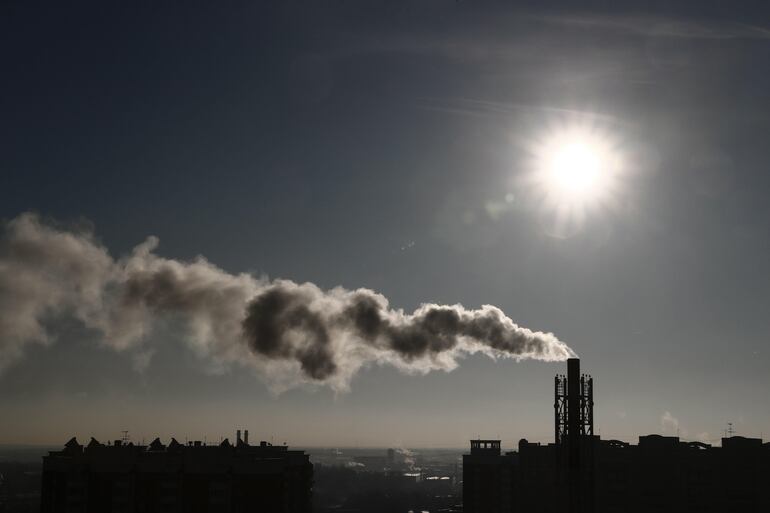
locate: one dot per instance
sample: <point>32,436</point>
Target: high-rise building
<point>183,478</point>
<point>487,478</point>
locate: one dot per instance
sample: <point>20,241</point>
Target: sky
<point>390,146</point>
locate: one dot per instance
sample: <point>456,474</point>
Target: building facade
<point>659,474</point>
<point>178,478</point>
<point>488,478</point>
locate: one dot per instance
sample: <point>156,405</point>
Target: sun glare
<point>575,169</point>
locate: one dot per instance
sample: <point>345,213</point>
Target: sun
<point>575,168</point>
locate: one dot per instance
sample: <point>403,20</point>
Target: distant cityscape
<point>579,472</point>
<point>346,479</point>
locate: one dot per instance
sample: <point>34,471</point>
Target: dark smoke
<point>276,315</point>
<point>289,333</point>
<point>331,332</point>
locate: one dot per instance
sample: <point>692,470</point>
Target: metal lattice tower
<point>586,405</point>
<point>560,408</point>
<point>573,404</point>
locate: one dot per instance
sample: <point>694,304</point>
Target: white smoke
<point>409,458</point>
<point>288,332</point>
<point>669,423</point>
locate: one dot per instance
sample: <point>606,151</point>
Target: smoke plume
<point>288,332</point>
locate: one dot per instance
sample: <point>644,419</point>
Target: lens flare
<point>575,168</point>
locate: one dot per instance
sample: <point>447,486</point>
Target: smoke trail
<point>288,332</point>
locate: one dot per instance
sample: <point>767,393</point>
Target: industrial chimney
<point>574,425</point>
<point>246,436</point>
<point>573,405</point>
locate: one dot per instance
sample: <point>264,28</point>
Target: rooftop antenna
<point>730,430</point>
<point>125,438</point>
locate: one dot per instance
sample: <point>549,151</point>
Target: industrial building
<point>183,478</point>
<point>580,473</point>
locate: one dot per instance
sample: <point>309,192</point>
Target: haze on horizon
<point>418,150</point>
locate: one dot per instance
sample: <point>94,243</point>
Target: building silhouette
<point>582,473</point>
<point>488,478</point>
<point>183,478</point>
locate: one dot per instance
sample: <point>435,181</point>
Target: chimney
<point>574,424</point>
<point>573,402</point>
<point>246,437</point>
<point>237,436</point>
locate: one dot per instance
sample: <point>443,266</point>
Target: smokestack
<point>237,437</point>
<point>573,405</point>
<point>574,430</point>
<point>246,437</point>
<point>573,434</point>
